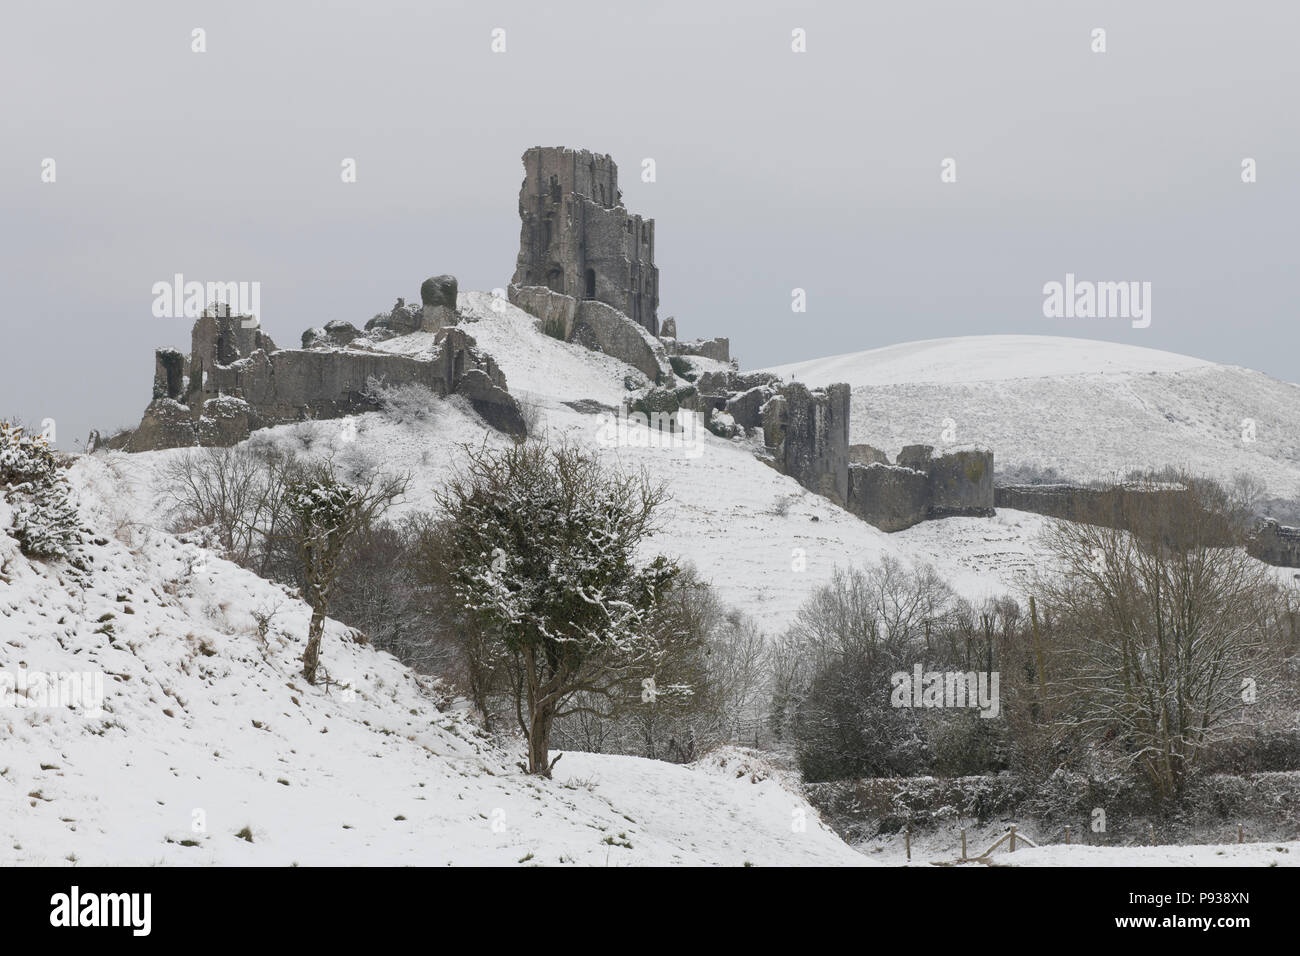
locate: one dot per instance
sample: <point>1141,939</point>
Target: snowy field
<point>207,732</point>
<point>211,749</point>
<point>942,847</point>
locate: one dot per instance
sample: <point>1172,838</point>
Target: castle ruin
<point>235,379</point>
<point>578,240</point>
<point>806,436</point>
<point>586,272</point>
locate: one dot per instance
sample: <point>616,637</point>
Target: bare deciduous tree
<point>237,492</point>
<point>1164,621</point>
<point>328,516</point>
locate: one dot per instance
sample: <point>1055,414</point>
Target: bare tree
<point>328,516</point>
<point>874,613</point>
<point>238,493</point>
<point>1164,621</point>
<point>831,671</point>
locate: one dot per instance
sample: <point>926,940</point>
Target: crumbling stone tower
<point>579,240</point>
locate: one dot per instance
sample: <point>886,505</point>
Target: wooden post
<point>907,839</point>
<point>1013,838</point>
<point>1241,834</point>
<point>963,845</point>
<point>1067,836</point>
<point>1151,827</point>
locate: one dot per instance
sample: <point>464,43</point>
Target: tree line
<point>1158,648</point>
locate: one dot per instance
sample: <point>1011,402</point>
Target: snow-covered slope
<point>985,358</point>
<point>1089,409</point>
<point>764,541</point>
<point>210,748</point>
<point>207,720</point>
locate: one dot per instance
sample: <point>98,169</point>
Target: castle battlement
<point>578,239</point>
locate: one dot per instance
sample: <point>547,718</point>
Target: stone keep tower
<point>579,240</point>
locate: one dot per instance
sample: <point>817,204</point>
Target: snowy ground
<point>1226,854</point>
<point>942,847</point>
<point>1091,410</point>
<point>204,721</point>
<point>207,732</point>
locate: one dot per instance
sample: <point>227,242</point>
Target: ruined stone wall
<point>1104,506</point>
<point>1276,544</point>
<point>576,237</point>
<point>746,408</point>
<point>806,434</point>
<point>598,326</point>
<point>220,339</point>
<point>292,384</point>
<point>555,310</point>
<point>558,171</point>
<point>238,381</point>
<point>961,484</point>
<point>602,328</point>
<point>718,349</point>
<point>1271,543</point>
<point>890,497</point>
<point>866,455</point>
<point>920,487</point>
<point>815,439</point>
<point>1164,511</point>
<point>1069,502</point>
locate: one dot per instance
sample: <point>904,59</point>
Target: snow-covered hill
<point>206,719</point>
<point>763,540</point>
<point>210,748</point>
<point>1089,409</point>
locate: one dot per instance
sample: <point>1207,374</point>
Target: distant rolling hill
<point>1088,409</point>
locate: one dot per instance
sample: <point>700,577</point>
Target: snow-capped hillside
<point>764,541</point>
<point>1091,410</point>
<point>207,719</point>
<point>985,358</point>
<point>210,748</point>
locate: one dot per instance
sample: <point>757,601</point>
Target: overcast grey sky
<point>775,170</point>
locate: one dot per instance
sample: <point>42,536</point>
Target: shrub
<point>45,519</point>
<point>545,550</point>
<point>403,403</point>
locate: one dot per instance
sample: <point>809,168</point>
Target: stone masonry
<point>1111,506</point>
<point>1276,544</point>
<point>577,238</point>
<point>806,433</point>
<point>236,380</point>
<point>920,486</point>
<point>813,426</point>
